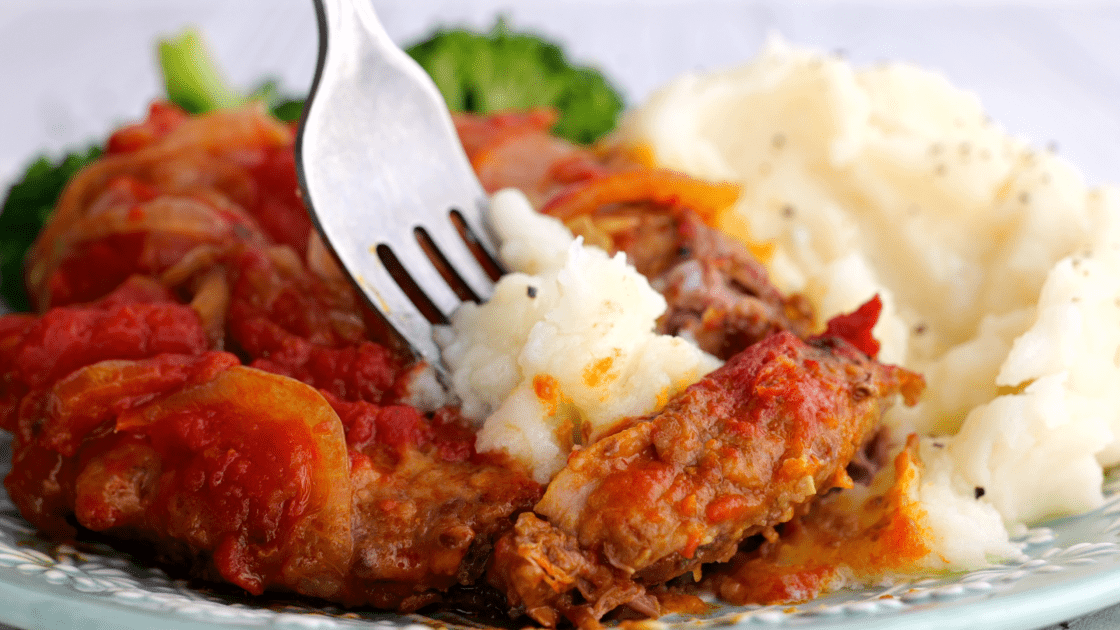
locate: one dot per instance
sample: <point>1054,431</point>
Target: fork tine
<point>459,256</point>
<point>390,299</point>
<point>425,274</point>
<point>474,215</point>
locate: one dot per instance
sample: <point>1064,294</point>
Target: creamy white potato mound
<point>999,269</point>
<point>565,348</point>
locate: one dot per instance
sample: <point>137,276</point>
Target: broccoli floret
<point>474,72</point>
<point>504,70</point>
<point>191,77</point>
<point>194,81</point>
<point>26,208</point>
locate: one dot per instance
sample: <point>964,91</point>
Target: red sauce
<point>597,373</point>
<point>726,507</point>
<point>163,118</point>
<point>277,205</point>
<point>96,268</point>
<point>765,583</point>
<point>547,389</point>
<point>240,463</point>
<point>855,327</point>
<point>67,338</point>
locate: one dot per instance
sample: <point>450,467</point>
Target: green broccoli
<point>504,70</point>
<point>194,81</point>
<point>26,208</point>
<point>475,73</point>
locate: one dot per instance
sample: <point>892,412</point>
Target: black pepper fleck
<point>979,491</point>
<point>788,211</point>
<point>1024,198</point>
<point>531,291</point>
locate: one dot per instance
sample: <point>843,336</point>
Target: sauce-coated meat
<point>732,456</point>
<point>719,294</point>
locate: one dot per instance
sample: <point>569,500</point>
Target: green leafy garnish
<point>288,110</point>
<point>505,70</point>
<point>28,205</point>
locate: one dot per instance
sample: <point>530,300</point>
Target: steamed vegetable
<point>194,81</point>
<point>28,205</point>
<point>505,70</point>
<point>191,78</point>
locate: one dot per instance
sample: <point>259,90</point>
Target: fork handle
<point>378,194</point>
<point>342,22</point>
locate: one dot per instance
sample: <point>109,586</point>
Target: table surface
<point>1047,71</point>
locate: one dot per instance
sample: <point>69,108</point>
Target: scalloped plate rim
<point>1072,568</point>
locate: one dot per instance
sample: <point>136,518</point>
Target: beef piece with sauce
<point>734,455</point>
<point>718,294</point>
<point>426,507</point>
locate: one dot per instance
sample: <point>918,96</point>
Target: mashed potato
<point>999,269</point>
<point>565,348</point>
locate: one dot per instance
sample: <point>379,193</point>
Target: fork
<point>387,182</point>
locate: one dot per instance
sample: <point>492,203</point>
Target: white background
<point>1049,71</point>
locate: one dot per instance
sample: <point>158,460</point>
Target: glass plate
<point>1072,567</point>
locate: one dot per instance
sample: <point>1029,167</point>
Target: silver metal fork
<point>386,179</point>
